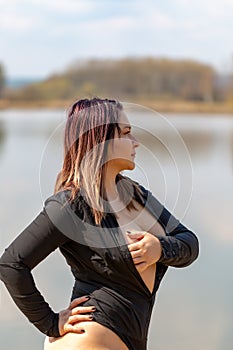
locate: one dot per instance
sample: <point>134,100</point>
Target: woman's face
<point>122,150</point>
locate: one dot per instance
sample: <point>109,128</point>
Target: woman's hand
<point>69,317</point>
<point>145,249</point>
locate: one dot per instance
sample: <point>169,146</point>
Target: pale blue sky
<point>39,37</point>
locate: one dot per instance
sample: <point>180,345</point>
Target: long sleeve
<point>32,245</point>
<point>180,246</point>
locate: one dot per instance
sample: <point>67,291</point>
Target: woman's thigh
<point>95,337</point>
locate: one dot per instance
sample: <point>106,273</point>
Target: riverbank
<point>159,106</point>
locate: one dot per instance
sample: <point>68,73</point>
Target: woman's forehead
<point>123,120</point>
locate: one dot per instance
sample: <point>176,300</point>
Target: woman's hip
<point>94,337</point>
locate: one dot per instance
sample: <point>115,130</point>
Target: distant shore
<point>159,106</point>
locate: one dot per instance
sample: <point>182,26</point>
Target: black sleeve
<point>34,243</point>
<point>180,246</point>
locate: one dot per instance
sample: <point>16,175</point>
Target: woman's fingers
<point>136,253</point>
<point>79,318</point>
<point>137,235</point>
<point>82,310</point>
<point>138,260</point>
<point>134,246</point>
<point>70,317</point>
<point>78,301</point>
<point>74,329</point>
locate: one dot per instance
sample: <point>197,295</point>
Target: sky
<point>42,37</point>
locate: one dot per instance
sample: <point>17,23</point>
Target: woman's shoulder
<point>60,197</point>
<point>55,206</point>
<point>64,214</point>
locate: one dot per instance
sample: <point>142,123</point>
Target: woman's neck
<point>110,185</point>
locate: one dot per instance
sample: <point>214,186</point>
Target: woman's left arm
<point>178,248</point>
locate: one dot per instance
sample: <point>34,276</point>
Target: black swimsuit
<point>100,262</point>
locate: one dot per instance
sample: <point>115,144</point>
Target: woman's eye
<point>125,132</point>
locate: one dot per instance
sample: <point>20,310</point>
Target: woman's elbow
<point>8,268</point>
<point>191,245</point>
<point>194,250</point>
<point>4,267</point>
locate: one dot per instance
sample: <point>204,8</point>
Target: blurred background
<point>172,64</point>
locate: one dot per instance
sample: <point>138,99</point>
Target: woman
<point>116,236</point>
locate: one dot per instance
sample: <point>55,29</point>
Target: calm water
<point>186,161</point>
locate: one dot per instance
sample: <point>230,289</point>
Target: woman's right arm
<point>34,243</point>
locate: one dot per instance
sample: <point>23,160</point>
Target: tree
<point>2,80</point>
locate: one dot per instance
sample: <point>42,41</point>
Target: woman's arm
<point>180,246</point>
<point>37,241</point>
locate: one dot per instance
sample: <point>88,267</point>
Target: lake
<point>186,160</point>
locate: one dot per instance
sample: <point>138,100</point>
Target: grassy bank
<point>159,106</point>
<point>189,106</point>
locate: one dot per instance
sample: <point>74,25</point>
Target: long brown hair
<point>89,127</point>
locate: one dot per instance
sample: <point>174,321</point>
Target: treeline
<point>131,78</point>
<point>2,80</point>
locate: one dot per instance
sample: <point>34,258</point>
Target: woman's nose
<point>135,140</point>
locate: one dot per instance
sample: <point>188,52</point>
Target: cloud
<point>120,23</point>
<point>159,20</point>
<point>209,8</point>
<point>13,22</point>
<point>58,5</point>
<point>67,6</point>
<point>24,15</point>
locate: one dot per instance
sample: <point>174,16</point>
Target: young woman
<point>117,237</point>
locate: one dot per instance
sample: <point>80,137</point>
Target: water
<point>191,175</point>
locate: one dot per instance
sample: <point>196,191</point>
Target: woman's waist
<point>127,312</point>
<point>111,290</point>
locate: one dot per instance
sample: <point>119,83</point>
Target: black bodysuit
<point>100,262</point>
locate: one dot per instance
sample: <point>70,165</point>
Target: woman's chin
<point>130,166</point>
<point>127,165</point>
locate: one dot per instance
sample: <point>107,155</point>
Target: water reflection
<point>231,146</point>
<point>2,136</point>
<point>199,143</point>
